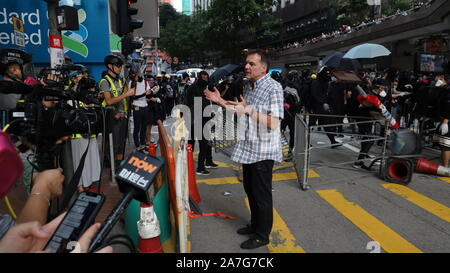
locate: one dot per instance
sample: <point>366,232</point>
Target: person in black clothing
<point>444,116</point>
<point>366,112</point>
<point>336,98</point>
<point>304,84</point>
<point>292,106</point>
<point>320,104</point>
<point>226,89</point>
<point>205,160</point>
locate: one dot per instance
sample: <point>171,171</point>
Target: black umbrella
<point>337,61</point>
<point>222,72</point>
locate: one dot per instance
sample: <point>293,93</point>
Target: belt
<point>137,108</point>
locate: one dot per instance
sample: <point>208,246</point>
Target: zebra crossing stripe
<point>388,239</point>
<point>420,200</point>
<point>281,238</point>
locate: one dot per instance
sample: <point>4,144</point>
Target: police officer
<point>115,94</point>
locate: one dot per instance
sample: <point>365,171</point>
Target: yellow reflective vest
<point>114,91</point>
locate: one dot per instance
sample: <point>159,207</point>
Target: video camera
<point>43,125</point>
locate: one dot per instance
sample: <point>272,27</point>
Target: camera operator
<point>79,143</point>
<point>115,94</point>
<point>11,68</point>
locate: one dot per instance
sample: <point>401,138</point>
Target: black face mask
<point>140,79</point>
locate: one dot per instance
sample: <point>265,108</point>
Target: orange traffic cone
<point>149,231</point>
<point>193,191</point>
<point>151,149</point>
<point>425,166</point>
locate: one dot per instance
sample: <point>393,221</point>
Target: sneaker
<point>211,165</point>
<point>254,243</point>
<point>359,165</point>
<point>202,172</point>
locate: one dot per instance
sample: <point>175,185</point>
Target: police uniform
<point>115,87</point>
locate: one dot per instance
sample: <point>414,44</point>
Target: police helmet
<point>114,60</point>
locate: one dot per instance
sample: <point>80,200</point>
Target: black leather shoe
<point>254,243</point>
<point>245,230</point>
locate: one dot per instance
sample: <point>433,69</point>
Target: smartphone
<point>78,219</point>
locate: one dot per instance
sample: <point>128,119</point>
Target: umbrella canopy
<point>337,61</point>
<point>222,72</point>
<point>367,51</point>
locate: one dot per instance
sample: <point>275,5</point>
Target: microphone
<point>135,178</point>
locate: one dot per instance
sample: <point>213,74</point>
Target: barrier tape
<point>218,213</point>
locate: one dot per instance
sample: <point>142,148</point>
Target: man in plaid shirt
<point>259,143</point>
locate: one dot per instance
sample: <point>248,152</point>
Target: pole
<point>57,58</point>
<point>156,56</point>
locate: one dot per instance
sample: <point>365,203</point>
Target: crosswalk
<point>390,240</point>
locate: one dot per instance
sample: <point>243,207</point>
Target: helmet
<point>159,76</point>
<point>10,56</point>
<point>276,75</point>
<point>313,76</point>
<point>113,59</point>
<point>292,75</point>
<point>74,74</point>
<point>379,83</point>
<point>167,76</point>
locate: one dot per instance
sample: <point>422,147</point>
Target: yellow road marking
<point>420,200</point>
<point>234,180</point>
<point>445,179</point>
<point>281,238</point>
<point>389,240</point>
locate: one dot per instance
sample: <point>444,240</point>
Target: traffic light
<point>129,46</point>
<point>125,22</point>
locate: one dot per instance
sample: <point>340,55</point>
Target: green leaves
<point>226,27</point>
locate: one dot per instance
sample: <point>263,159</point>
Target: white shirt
<point>140,89</point>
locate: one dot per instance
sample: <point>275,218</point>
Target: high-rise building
<point>200,4</point>
<point>187,7</point>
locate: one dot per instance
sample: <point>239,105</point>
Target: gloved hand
<point>326,107</point>
<point>444,128</point>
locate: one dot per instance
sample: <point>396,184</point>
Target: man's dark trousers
<point>257,180</point>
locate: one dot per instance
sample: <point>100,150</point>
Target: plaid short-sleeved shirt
<point>256,142</point>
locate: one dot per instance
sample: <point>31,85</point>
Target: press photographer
<point>41,122</point>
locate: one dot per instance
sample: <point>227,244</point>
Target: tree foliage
<point>167,13</point>
<point>357,11</point>
<point>226,27</point>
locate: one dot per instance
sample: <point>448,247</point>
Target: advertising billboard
<point>89,44</point>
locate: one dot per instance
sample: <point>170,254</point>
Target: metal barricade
<point>303,144</point>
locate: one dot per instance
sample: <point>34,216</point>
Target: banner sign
<point>89,44</point>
